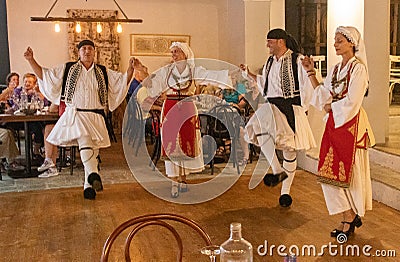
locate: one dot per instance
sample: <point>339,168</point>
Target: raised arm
<point>308,65</point>
<point>129,71</point>
<point>246,69</point>
<point>37,69</point>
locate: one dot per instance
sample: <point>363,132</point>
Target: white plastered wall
<point>206,21</point>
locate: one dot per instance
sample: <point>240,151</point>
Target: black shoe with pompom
<point>273,180</point>
<point>95,181</point>
<point>89,193</point>
<point>285,200</point>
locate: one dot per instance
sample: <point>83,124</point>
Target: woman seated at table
<point>30,89</point>
<point>12,82</point>
<point>235,97</point>
<point>252,100</point>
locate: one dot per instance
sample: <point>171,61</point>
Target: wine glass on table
<point>211,251</point>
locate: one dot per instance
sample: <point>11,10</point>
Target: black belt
<point>97,111</point>
<point>285,105</point>
<point>107,120</point>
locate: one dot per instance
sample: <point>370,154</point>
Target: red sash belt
<point>338,149</point>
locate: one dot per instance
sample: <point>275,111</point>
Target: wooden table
<point>9,118</point>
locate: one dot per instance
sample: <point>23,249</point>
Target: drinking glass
<point>211,251</point>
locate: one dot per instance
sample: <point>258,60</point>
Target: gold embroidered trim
<point>353,129</point>
<point>342,172</point>
<point>326,168</point>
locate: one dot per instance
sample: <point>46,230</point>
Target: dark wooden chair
<point>62,157</point>
<point>155,136</point>
<point>224,124</point>
<point>134,128</point>
<point>138,223</point>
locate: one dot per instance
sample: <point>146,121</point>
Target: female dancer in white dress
<point>180,131</point>
<point>343,165</point>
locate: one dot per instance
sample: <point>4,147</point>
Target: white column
<point>277,14</point>
<point>377,43</point>
<point>345,13</point>
<point>257,21</point>
<point>371,18</point>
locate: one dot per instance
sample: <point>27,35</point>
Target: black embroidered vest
<point>68,66</point>
<point>285,103</point>
<point>295,75</point>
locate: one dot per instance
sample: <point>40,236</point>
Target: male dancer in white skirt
<point>287,90</point>
<point>87,90</point>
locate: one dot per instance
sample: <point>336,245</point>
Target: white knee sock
<point>89,160</point>
<point>289,164</point>
<point>274,162</point>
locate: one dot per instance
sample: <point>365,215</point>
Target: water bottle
<point>24,99</point>
<point>236,248</point>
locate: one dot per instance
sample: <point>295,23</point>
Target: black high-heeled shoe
<point>356,222</point>
<point>353,224</point>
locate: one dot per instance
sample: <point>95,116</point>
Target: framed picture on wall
<point>155,44</point>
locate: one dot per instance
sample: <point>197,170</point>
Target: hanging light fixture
<point>57,27</point>
<point>99,29</point>
<point>126,20</point>
<point>78,28</point>
<point>119,28</point>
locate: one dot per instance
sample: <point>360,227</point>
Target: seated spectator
<point>6,96</point>
<point>251,101</point>
<point>234,97</point>
<point>8,150</point>
<point>31,90</point>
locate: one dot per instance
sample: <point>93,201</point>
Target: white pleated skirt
<point>358,196</point>
<point>268,122</point>
<point>73,125</point>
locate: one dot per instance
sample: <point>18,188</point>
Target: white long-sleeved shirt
<point>348,107</point>
<point>274,81</point>
<point>86,94</point>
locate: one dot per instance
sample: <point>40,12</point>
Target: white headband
<point>354,36</point>
<point>185,49</point>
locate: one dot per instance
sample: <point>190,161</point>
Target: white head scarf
<point>352,34</point>
<point>186,50</point>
